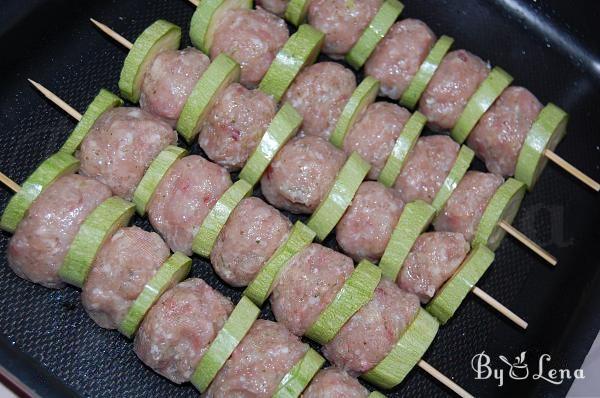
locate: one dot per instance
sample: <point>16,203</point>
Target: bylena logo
<point>519,369</point>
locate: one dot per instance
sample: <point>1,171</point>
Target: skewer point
<point>500,307</point>
<point>574,171</point>
<point>439,376</point>
<point>515,233</point>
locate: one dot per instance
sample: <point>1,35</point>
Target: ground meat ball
<point>365,230</point>
<point>120,147</point>
<point>374,330</point>
<point>498,137</point>
<point>170,80</point>
<point>259,362</point>
<point>235,126</point>
<point>180,327</point>
<point>253,232</point>
<point>467,203</point>
<point>276,7</point>
<point>302,174</point>
<point>123,266</point>
<point>308,285</point>
<point>375,134</point>
<point>252,38</point>
<point>319,94</point>
<point>42,239</point>
<point>456,80</point>
<point>342,21</point>
<point>433,259</point>
<point>398,57</point>
<point>426,168</point>
<point>335,383</point>
<point>183,199</point>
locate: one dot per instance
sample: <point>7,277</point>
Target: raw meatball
<point>498,137</point>
<point>398,57</point>
<point>365,230</point>
<point>467,203</point>
<point>253,232</point>
<point>455,81</point>
<point>184,198</point>
<point>374,330</point>
<point>375,134</point>
<point>120,147</point>
<point>235,126</point>
<point>276,7</point>
<point>259,362</point>
<point>426,168</point>
<point>319,94</point>
<point>42,239</point>
<point>309,283</point>
<point>180,327</point>
<point>302,174</point>
<point>335,383</point>
<point>252,38</point>
<point>342,21</point>
<point>433,259</point>
<point>170,80</point>
<point>121,269</point>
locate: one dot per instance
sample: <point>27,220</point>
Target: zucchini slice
<point>364,95</point>
<point>376,394</point>
<point>296,11</point>
<point>404,144</point>
<point>300,375</point>
<point>301,49</point>
<point>503,206</point>
<point>357,291</point>
<point>420,81</point>
<point>284,126</point>
<point>333,207</point>
<point>50,170</point>
<point>407,352</point>
<point>415,219</point>
<point>214,222</point>
<point>447,300</point>
<point>457,172</point>
<point>234,330</point>
<point>154,175</point>
<point>97,228</point>
<point>487,93</point>
<point>173,271</point>
<point>104,101</point>
<point>260,288</point>
<point>547,131</point>
<point>381,23</point>
<point>158,37</point>
<point>221,73</point>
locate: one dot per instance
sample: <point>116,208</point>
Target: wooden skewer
<point>574,171</point>
<point>439,376</point>
<point>9,183</point>
<point>512,231</point>
<point>56,100</point>
<point>123,41</point>
<point>499,307</point>
<point>195,2</point>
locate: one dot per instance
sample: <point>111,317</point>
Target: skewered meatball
<point>276,7</point>
<point>334,382</point>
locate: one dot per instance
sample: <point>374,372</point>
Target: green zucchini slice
<point>380,24</point>
<point>447,300</point>
<point>300,375</point>
<point>173,271</point>
<point>260,288</point>
<point>104,101</point>
<point>487,93</point>
<point>50,170</point>
<point>333,207</point>
<point>457,172</point>
<point>547,131</point>
<point>296,11</point>
<point>284,125</point>
<point>158,37</point>
<point>235,328</point>
<point>357,291</point>
<point>301,49</point>
<point>361,98</point>
<point>214,222</point>
<point>221,73</point>
<point>415,219</point>
<point>376,394</point>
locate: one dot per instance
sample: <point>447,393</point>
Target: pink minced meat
<point>252,234</point>
<point>276,7</point>
<point>123,266</point>
<point>42,239</point>
<point>180,327</point>
<point>120,147</point>
<point>307,285</point>
<point>259,363</point>
<point>184,198</point>
<point>334,383</point>
<point>366,228</point>
<point>467,203</point>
